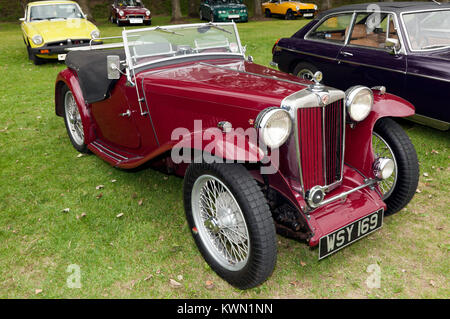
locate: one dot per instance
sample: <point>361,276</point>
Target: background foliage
<point>13,10</point>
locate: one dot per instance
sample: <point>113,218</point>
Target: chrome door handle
<point>126,114</point>
<point>346,53</point>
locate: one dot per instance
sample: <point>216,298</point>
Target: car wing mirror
<point>113,67</point>
<point>393,45</point>
<point>22,19</point>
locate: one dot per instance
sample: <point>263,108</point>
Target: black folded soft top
<point>91,68</point>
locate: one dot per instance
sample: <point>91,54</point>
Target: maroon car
<point>261,151</point>
<point>130,12</point>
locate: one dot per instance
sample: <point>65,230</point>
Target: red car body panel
<point>232,90</point>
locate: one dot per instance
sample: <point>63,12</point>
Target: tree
<point>176,10</point>
<point>193,8</point>
<point>84,4</point>
<point>257,13</point>
<point>326,4</point>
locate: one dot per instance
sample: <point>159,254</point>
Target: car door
<point>115,118</point>
<point>322,45</point>
<point>366,60</point>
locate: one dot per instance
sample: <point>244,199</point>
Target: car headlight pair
<point>95,34</point>
<point>274,126</point>
<point>37,39</point>
<point>359,102</point>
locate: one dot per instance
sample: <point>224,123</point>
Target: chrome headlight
<point>121,13</point>
<point>274,125</point>
<point>359,102</point>
<point>383,168</point>
<point>315,7</point>
<point>147,13</point>
<point>95,34</point>
<point>37,39</point>
<point>297,8</point>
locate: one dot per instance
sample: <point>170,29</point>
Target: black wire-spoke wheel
<point>231,222</point>
<point>389,140</point>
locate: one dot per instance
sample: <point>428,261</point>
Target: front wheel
<point>390,140</point>
<point>289,15</point>
<point>231,222</point>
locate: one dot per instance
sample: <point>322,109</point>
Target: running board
<point>112,157</point>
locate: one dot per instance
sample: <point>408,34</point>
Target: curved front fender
<point>70,79</point>
<point>212,143</point>
<point>358,140</point>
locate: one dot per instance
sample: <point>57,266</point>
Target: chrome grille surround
<point>314,98</point>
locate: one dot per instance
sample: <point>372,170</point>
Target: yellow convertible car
<point>289,9</point>
<point>51,27</point>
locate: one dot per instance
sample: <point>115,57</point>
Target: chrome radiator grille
<point>321,144</point>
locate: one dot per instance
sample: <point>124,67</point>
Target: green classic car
<point>223,11</point>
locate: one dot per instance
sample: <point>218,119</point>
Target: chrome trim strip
<point>428,77</point>
<point>106,150</point>
<point>308,53</point>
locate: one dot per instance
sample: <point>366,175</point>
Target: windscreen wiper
<point>168,31</point>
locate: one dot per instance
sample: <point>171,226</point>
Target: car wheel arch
<point>68,79</point>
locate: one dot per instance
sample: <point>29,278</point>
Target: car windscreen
<point>428,30</point>
<point>146,46</point>
<point>130,3</point>
<point>55,11</point>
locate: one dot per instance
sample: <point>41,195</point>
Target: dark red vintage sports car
<point>404,46</point>
<point>260,150</point>
<point>130,12</point>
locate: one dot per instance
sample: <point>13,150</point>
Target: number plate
<point>136,21</point>
<point>308,15</point>
<point>233,16</point>
<point>62,57</point>
<point>346,235</point>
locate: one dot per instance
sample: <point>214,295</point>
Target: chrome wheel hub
<point>382,149</point>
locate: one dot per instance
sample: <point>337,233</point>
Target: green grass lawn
<point>136,255</point>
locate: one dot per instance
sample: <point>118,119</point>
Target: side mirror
<point>393,45</point>
<point>22,19</point>
<point>113,67</point>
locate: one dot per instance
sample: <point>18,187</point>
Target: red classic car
<point>130,12</point>
<point>261,151</point>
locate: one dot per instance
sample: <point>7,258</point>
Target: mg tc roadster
<point>261,151</point>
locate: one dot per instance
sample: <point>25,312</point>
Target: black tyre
<point>289,15</point>
<point>119,23</point>
<point>72,119</point>
<point>211,17</point>
<point>267,13</point>
<point>147,22</point>
<point>305,70</point>
<point>35,59</point>
<point>390,140</point>
<point>231,222</point>
<point>200,14</point>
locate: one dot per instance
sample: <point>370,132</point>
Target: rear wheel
<point>305,71</point>
<point>211,17</point>
<point>231,222</point>
<point>267,13</point>
<point>72,119</point>
<point>200,14</point>
<point>390,140</point>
